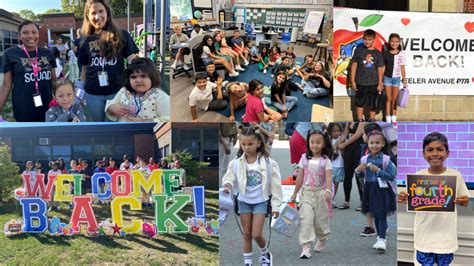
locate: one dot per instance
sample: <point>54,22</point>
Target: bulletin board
<point>276,17</point>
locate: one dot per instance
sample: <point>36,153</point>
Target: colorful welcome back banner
<point>439,47</point>
<point>121,188</point>
<point>431,193</point>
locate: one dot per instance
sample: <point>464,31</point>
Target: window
<point>201,143</point>
<point>42,153</point>
<point>21,150</point>
<point>123,145</point>
<point>181,9</point>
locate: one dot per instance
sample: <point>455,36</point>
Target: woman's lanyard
<point>137,103</point>
<point>34,65</point>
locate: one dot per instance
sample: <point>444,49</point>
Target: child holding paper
<point>435,234</point>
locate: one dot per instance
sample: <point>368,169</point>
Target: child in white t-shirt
<point>435,234</point>
<point>205,96</point>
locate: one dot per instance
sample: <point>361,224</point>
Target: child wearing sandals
<point>315,179</point>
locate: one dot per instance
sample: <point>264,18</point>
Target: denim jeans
<point>96,105</point>
<point>311,91</point>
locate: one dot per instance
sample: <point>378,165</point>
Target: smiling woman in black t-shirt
<point>29,71</point>
<point>102,55</point>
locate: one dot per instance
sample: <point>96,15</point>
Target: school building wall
<point>419,108</point>
<point>468,6</point>
<point>461,144</point>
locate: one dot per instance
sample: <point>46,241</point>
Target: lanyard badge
<point>36,69</point>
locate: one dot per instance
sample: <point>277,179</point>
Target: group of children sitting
<point>213,93</point>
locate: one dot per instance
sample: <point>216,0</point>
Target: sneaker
<point>266,260</point>
<point>264,71</point>
<point>235,74</point>
<point>380,245</point>
<point>224,83</point>
<point>174,65</point>
<point>239,68</point>
<point>388,118</point>
<point>368,231</point>
<point>186,67</point>
<point>246,63</point>
<point>358,209</point>
<point>320,245</point>
<point>305,252</point>
<point>343,206</point>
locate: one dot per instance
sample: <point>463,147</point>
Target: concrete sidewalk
<point>345,245</point>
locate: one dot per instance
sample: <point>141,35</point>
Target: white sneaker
<point>246,63</point>
<point>239,68</point>
<point>235,74</point>
<point>388,119</point>
<point>320,245</point>
<point>224,83</point>
<point>394,118</point>
<point>174,65</point>
<point>186,67</point>
<point>265,71</point>
<point>380,245</point>
<point>266,260</point>
<point>305,252</point>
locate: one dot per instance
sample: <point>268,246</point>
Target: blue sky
<point>37,6</point>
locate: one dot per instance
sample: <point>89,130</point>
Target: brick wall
<point>468,6</point>
<point>461,143</point>
<point>420,108</point>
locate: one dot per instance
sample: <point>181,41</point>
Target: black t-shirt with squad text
<point>16,61</point>
<point>90,56</point>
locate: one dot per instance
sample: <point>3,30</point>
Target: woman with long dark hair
<point>102,54</point>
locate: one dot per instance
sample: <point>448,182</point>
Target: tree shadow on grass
<point>45,239</point>
<point>107,241</point>
<point>196,241</point>
<point>161,244</point>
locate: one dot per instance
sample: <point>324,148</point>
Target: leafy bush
<point>9,177</point>
<point>190,166</point>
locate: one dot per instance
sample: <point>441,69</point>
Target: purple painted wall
<point>461,143</point>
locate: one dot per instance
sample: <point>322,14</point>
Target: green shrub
<point>190,166</point>
<point>9,177</point>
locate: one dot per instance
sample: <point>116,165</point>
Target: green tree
<point>73,6</point>
<point>190,166</point>
<point>27,14</point>
<point>9,177</point>
<point>119,7</point>
<point>53,10</point>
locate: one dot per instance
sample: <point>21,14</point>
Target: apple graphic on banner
<point>345,43</point>
<point>469,26</point>
<point>405,21</point>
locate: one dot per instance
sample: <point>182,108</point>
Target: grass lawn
<point>43,249</point>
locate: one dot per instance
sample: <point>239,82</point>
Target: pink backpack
<point>403,95</point>
<point>385,162</point>
<point>322,176</point>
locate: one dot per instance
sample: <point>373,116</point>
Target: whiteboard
<point>203,3</point>
<point>313,22</point>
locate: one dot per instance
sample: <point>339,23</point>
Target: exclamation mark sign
<point>198,200</point>
<point>447,201</point>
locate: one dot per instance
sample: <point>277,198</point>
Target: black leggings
<point>216,104</point>
<point>351,161</point>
